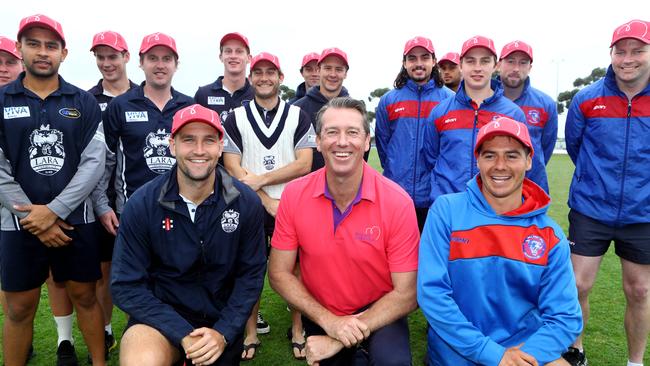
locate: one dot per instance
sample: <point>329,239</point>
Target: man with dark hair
<point>358,266</point>
<point>189,257</point>
<point>310,74</point>
<point>450,70</point>
<point>48,226</point>
<point>401,120</point>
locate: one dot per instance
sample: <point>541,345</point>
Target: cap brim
<point>41,25</point>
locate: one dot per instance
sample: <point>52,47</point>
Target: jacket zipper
<point>471,148</point>
<point>417,142</point>
<point>627,141</point>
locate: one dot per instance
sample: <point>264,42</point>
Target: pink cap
<point>515,46</point>
<point>637,29</point>
<point>196,113</point>
<point>504,126</point>
<point>333,52</point>
<point>43,21</point>
<point>478,41</point>
<point>265,56</point>
<point>236,36</point>
<point>312,56</point>
<point>111,39</point>
<point>9,45</point>
<point>418,42</point>
<point>158,39</point>
<point>452,57</point>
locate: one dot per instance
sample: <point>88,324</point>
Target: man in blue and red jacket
<point>453,124</point>
<point>607,132</point>
<point>515,63</point>
<point>401,116</point>
<point>494,279</point>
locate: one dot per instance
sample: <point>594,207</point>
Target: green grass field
<point>605,341</point>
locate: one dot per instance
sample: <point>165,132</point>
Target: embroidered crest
<point>46,153</point>
<point>534,247</point>
<point>230,220</point>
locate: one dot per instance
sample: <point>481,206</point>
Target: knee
<point>636,291</point>
<point>142,357</point>
<point>85,299</point>
<point>584,286</point>
<point>19,312</point>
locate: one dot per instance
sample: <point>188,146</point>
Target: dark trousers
<point>387,346</point>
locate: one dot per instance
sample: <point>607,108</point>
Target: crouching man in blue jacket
<point>494,277</point>
<point>189,257</point>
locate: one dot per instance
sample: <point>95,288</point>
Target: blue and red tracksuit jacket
<point>607,138</point>
<point>541,118</point>
<point>487,282</point>
<point>450,136</point>
<point>399,135</point>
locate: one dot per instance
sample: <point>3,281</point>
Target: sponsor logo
<point>46,153</point>
<point>103,106</point>
<point>216,100</point>
<point>156,152</point>
<point>16,112</point>
<point>167,224</point>
<point>450,120</point>
<point>399,109</point>
<point>139,116</point>
<point>70,112</point>
<point>599,107</point>
<point>459,240</point>
<point>533,116</point>
<point>268,162</point>
<point>534,247</point>
<point>371,234</point>
<point>230,220</point>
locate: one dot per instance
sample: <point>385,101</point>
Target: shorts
<point>106,242</point>
<point>591,238</point>
<point>269,228</point>
<point>25,262</point>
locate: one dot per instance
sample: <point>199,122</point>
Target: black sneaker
<point>262,326</point>
<point>575,358</point>
<point>66,355</point>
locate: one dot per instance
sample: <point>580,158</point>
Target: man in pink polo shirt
<point>358,266</point>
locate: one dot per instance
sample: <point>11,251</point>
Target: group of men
<point>464,165</point>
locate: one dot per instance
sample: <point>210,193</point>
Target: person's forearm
<point>389,308</point>
<point>287,173</point>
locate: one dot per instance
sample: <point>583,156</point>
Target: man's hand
<point>516,357</point>
<point>39,219</point>
<point>349,330</point>
<point>203,346</point>
<point>318,348</point>
<point>110,222</point>
<point>54,235</point>
<point>270,205</point>
<point>256,182</point>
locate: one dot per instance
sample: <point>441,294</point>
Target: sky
<point>569,38</point>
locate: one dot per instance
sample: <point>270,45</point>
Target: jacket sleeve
<point>382,132</point>
<point>435,292</point>
<point>11,193</point>
<point>91,163</point>
<point>111,123</point>
<point>573,129</point>
<point>549,135</point>
<point>558,305</point>
<point>129,276</point>
<point>249,272</point>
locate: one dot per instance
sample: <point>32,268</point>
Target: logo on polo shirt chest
<point>70,113</point>
<point>46,153</point>
<point>156,152</point>
<point>16,112</point>
<point>103,106</point>
<point>212,100</point>
<point>369,234</point>
<point>137,116</point>
<point>268,162</point>
<point>230,220</point>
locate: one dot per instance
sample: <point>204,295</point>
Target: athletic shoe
<point>575,358</point>
<point>262,326</point>
<point>66,355</point>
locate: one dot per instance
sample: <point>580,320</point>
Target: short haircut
<point>343,103</point>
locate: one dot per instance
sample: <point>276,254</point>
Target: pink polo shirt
<point>351,267</point>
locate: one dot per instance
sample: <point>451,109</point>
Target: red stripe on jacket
<point>409,109</point>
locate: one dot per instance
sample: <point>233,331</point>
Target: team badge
<point>230,220</point>
<point>103,106</point>
<point>70,112</point>
<point>46,153</point>
<point>156,152</point>
<point>534,247</point>
<point>533,116</point>
<point>269,162</point>
<point>167,224</point>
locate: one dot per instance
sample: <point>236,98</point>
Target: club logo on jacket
<point>268,162</point>
<point>167,224</point>
<point>533,117</point>
<point>534,247</point>
<point>46,153</point>
<point>230,220</point>
<point>156,152</point>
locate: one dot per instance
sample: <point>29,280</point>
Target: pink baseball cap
<point>158,39</point>
<point>452,57</point>
<point>333,52</point>
<point>265,56</point>
<point>636,29</point>
<point>515,46</point>
<point>111,39</point>
<point>196,113</point>
<point>9,45</point>
<point>478,41</point>
<point>43,21</point>
<point>419,42</point>
<point>504,126</point>
<point>312,56</point>
<point>236,36</point>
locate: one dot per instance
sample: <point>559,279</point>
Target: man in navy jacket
<point>189,258</point>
